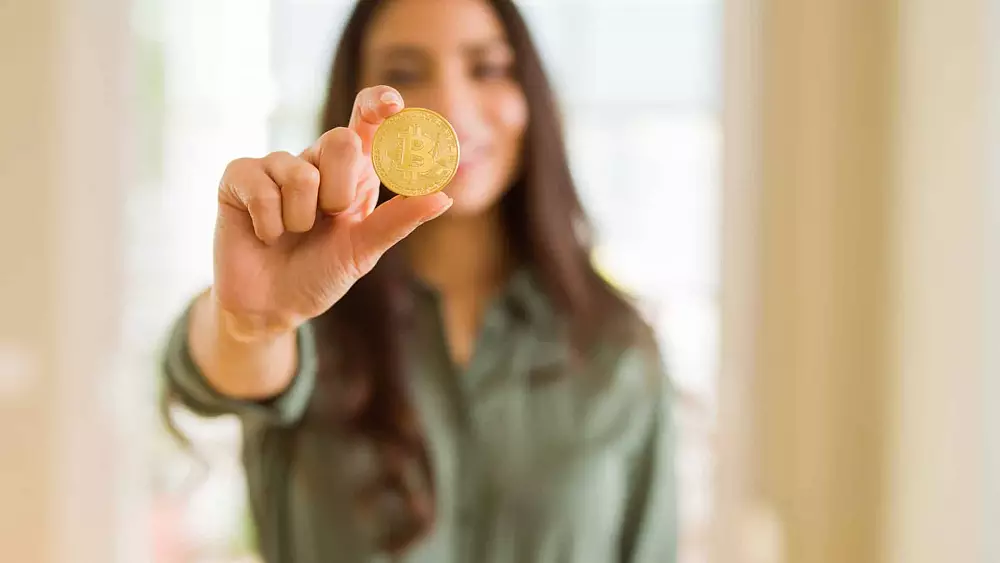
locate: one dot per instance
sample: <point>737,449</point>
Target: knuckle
<point>278,160</point>
<point>241,166</point>
<point>280,156</point>
<point>341,141</point>
<point>260,200</point>
<point>292,172</point>
<point>298,189</point>
<point>305,174</point>
<point>269,232</point>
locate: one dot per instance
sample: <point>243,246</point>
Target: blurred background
<point>233,77</point>
<point>805,197</point>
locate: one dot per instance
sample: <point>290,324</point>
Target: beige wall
<point>992,384</point>
<point>855,342</point>
<point>855,337</point>
<point>61,180</point>
<point>805,338</point>
<point>828,87</point>
<point>25,305</point>
<point>938,479</point>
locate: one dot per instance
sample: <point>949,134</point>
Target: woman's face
<point>453,57</point>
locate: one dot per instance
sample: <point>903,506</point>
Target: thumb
<point>391,222</point>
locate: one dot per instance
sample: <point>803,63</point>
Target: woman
<point>441,379</point>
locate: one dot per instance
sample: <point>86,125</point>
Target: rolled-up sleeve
<point>650,531</point>
<point>185,383</point>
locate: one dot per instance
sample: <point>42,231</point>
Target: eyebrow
<point>412,51</point>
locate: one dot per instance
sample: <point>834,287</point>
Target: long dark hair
<point>365,372</point>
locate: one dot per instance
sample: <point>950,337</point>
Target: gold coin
<point>415,152</point>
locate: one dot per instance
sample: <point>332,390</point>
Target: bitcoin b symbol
<point>417,155</point>
<point>415,152</point>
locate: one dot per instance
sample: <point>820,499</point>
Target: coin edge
<point>452,172</point>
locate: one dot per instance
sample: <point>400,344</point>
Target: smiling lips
<point>471,158</point>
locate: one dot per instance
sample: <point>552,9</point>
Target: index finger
<point>371,107</point>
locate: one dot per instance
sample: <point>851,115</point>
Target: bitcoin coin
<point>415,152</point>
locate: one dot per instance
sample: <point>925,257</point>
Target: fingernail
<point>439,210</point>
<point>391,98</point>
<point>446,203</point>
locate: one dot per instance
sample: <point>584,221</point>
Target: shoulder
<point>631,357</point>
<point>624,392</point>
<point>628,378</point>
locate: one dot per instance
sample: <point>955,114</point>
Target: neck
<point>457,254</point>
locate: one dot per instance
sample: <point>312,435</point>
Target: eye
<point>491,70</point>
<point>401,76</point>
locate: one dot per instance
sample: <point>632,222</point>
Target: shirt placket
<point>482,391</point>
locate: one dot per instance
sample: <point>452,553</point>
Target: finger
<point>368,193</point>
<point>248,187</point>
<point>390,223</point>
<point>337,155</point>
<point>371,107</point>
<point>368,185</point>
<point>299,183</point>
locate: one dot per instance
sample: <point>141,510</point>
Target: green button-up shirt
<point>537,459</point>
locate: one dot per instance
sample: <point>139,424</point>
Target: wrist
<point>249,328</point>
<point>241,356</point>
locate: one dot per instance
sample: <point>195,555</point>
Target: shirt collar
<point>526,297</point>
<point>522,296</point>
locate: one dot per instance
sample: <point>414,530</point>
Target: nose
<point>454,96</point>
